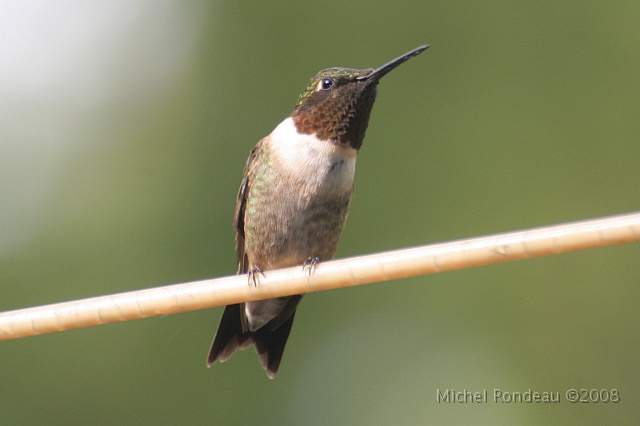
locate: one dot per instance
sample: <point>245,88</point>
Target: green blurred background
<point>124,127</point>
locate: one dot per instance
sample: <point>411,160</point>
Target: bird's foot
<point>311,263</point>
<point>252,277</point>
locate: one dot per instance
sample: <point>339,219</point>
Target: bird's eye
<point>326,83</point>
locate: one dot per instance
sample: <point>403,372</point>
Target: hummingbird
<point>293,202</point>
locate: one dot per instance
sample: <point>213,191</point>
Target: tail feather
<point>268,342</point>
<point>229,337</point>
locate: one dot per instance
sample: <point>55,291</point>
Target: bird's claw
<point>311,263</point>
<point>251,275</point>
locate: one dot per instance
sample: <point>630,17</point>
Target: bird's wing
<point>238,217</point>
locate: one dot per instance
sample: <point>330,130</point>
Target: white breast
<point>320,163</point>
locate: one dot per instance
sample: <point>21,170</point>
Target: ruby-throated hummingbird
<point>294,199</point>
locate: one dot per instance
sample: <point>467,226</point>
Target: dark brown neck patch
<point>340,115</point>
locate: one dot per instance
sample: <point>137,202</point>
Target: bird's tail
<point>269,342</point>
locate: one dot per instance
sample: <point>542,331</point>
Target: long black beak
<point>386,68</point>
